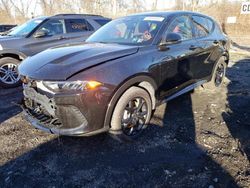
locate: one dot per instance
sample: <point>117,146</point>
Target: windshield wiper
<point>108,42</point>
<point>103,42</point>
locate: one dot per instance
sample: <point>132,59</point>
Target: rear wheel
<point>218,75</point>
<point>131,114</point>
<point>9,77</point>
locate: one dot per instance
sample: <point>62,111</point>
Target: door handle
<point>61,38</point>
<point>193,47</point>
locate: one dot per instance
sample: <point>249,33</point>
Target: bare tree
<point>47,6</point>
<point>5,6</point>
<point>22,7</point>
<point>138,6</point>
<point>194,4</point>
<point>51,7</point>
<point>154,5</point>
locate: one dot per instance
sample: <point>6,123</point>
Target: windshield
<point>139,30</point>
<point>27,27</point>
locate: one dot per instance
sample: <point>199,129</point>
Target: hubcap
<point>219,75</point>
<point>8,73</point>
<point>134,116</point>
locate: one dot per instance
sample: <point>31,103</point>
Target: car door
<point>178,60</point>
<point>55,35</point>
<point>77,30</point>
<point>208,46</point>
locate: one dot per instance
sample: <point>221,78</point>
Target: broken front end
<point>58,113</point>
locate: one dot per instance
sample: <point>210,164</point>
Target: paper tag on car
<point>154,18</point>
<point>38,21</point>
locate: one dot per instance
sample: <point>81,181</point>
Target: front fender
<point>121,89</point>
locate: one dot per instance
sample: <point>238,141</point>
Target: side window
<point>182,26</point>
<point>76,25</point>
<point>102,22</point>
<point>7,28</point>
<point>90,27</point>
<point>53,27</point>
<point>202,26</point>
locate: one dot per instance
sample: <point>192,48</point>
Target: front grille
<point>40,106</point>
<point>44,119</point>
<point>49,115</point>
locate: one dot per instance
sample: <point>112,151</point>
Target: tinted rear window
<point>182,26</point>
<point>77,25</point>
<point>102,21</point>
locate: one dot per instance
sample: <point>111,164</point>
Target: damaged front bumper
<point>56,114</point>
<point>50,129</point>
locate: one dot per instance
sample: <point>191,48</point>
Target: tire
<point>9,77</point>
<point>218,76</point>
<point>131,115</point>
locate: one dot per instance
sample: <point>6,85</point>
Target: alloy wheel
<point>134,117</point>
<point>9,74</point>
<point>219,75</point>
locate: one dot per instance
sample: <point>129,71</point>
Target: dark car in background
<point>114,81</point>
<point>5,28</point>
<point>39,34</point>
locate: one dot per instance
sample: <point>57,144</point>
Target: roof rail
<point>77,15</point>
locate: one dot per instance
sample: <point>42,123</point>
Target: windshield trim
<point>34,29</point>
<point>119,43</point>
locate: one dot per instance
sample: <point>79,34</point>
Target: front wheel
<point>9,77</point>
<point>131,115</point>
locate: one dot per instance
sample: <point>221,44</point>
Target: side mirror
<point>171,38</point>
<point>40,34</point>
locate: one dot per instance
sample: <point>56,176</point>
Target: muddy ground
<point>201,139</point>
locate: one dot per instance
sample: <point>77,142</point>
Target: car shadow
<point>8,100</point>
<point>183,129</point>
<point>165,156</point>
<point>247,48</point>
<point>237,116</point>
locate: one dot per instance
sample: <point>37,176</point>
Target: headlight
<point>71,85</point>
<point>1,47</point>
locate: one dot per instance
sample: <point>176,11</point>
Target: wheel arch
<point>145,82</point>
<point>226,56</point>
<point>14,54</point>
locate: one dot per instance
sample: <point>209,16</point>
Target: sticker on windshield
<point>151,18</point>
<point>38,21</point>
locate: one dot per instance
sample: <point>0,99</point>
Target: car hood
<point>4,38</point>
<point>62,62</point>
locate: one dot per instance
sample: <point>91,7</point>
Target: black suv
<point>39,34</point>
<point>117,78</point>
